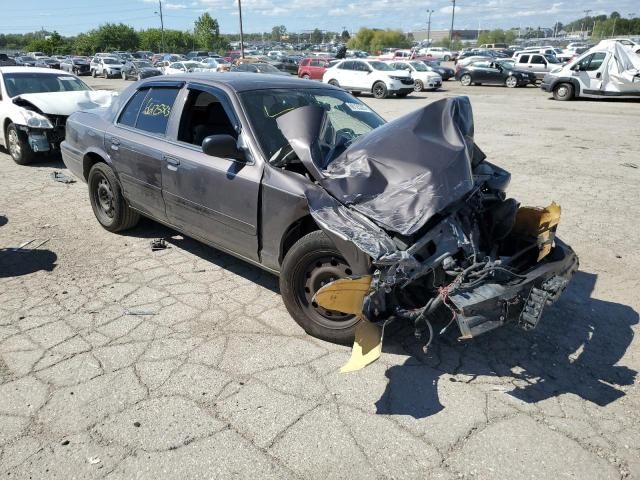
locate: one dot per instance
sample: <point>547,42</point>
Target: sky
<point>70,17</point>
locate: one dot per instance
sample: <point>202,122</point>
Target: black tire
<point>18,146</point>
<point>563,92</point>
<point>109,205</point>
<point>418,86</point>
<point>333,82</point>
<point>312,262</point>
<point>446,58</point>
<point>76,72</point>
<point>93,73</point>
<point>139,77</point>
<point>124,75</point>
<point>511,82</point>
<point>379,90</point>
<point>105,74</point>
<point>465,80</point>
<point>306,76</point>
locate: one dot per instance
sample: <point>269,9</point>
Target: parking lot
<point>121,362</point>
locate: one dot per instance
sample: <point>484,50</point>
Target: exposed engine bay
<point>425,222</point>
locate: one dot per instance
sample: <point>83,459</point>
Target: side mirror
<point>222,146</point>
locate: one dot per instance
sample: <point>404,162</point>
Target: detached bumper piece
<point>491,305</point>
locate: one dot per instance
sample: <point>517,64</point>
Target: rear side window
<point>524,59</point>
<point>150,110</point>
<point>305,62</point>
<point>538,59</point>
<point>347,66</point>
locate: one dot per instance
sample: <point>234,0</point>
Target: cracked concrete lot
<point>119,362</point>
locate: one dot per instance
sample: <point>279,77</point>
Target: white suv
<point>423,78</point>
<point>106,66</point>
<point>437,52</point>
<point>371,76</point>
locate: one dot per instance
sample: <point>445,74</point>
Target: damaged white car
<point>34,106</point>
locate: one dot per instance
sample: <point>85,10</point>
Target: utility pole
<point>585,23</point>
<point>161,25</point>
<point>429,27</point>
<point>453,16</point>
<point>613,30</point>
<point>241,32</point>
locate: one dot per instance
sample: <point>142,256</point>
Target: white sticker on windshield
<point>357,107</point>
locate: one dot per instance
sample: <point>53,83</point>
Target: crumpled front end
<point>446,244</point>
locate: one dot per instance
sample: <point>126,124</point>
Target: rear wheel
<point>563,92</point>
<point>93,73</point>
<point>306,76</point>
<point>465,80</point>
<point>124,75</point>
<point>418,86</point>
<point>18,146</point>
<point>447,58</point>
<point>105,74</point>
<point>312,262</point>
<point>379,90</point>
<point>511,82</point>
<point>109,205</point>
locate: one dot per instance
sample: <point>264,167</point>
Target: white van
<point>610,69</point>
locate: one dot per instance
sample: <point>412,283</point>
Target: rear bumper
<point>491,305</point>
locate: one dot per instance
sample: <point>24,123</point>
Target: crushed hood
<point>400,174</point>
<point>65,103</point>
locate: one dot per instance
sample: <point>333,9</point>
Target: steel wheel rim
<point>14,144</point>
<point>465,80</point>
<point>322,270</point>
<point>562,91</point>
<point>104,197</point>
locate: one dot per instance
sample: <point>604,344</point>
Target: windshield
<point>191,64</point>
<point>507,63</point>
<point>419,66</point>
<point>142,64</point>
<point>551,59</point>
<point>266,68</point>
<point>346,117</point>
<point>110,61</point>
<point>380,66</point>
<point>20,83</point>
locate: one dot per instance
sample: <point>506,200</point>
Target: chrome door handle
<point>115,144</point>
<point>172,162</point>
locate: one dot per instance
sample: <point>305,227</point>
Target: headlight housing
<point>35,120</point>
<point>396,77</point>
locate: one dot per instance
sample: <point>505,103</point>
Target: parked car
<point>34,105</point>
<point>305,181</point>
<point>445,72</point>
<point>438,53</point>
<point>423,78</point>
<point>494,46</point>
<point>197,53</point>
<point>608,70</point>
<point>25,61</point>
<point>257,67</point>
<point>6,61</point>
<point>537,63</point>
<point>144,54</point>
<point>290,64</point>
<point>139,69</point>
<point>180,67</point>
<point>370,76</point>
<point>106,67</point>
<point>313,67</point>
<point>495,72</point>
<point>76,65</point>
<point>46,62</point>
<point>37,55</point>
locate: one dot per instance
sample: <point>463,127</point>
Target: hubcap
<point>562,91</point>
<point>466,80</point>
<point>511,81</point>
<point>417,86</point>
<point>323,271</point>
<point>104,197</point>
<point>14,144</point>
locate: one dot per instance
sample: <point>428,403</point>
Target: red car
<point>313,67</point>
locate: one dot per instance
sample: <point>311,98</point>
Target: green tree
<point>344,36</point>
<point>207,31</point>
<point>112,36</point>
<point>614,15</point>
<point>374,40</point>
<point>316,36</point>
<point>278,32</point>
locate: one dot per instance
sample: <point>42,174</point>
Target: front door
<point>590,71</point>
<point>215,199</point>
<point>135,144</point>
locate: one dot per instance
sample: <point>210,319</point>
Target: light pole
<point>429,27</point>
<point>241,33</point>
<point>586,22</point>
<point>453,16</point>
<point>161,24</point>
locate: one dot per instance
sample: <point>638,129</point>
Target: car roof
<point>241,82</point>
<point>32,70</point>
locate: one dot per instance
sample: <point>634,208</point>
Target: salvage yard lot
<point>216,380</point>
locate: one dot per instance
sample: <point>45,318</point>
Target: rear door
<point>136,143</point>
<point>215,199</point>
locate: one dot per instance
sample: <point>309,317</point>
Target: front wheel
<point>124,75</point>
<point>380,90</point>
<point>18,146</point>
<point>109,205</point>
<point>418,86</point>
<point>313,262</point>
<point>563,92</point>
<point>93,73</point>
<point>306,76</point>
<point>511,82</point>
<point>447,58</point>
<point>105,74</point>
<point>465,80</point>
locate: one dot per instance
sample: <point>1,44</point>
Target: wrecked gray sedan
<point>366,222</point>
